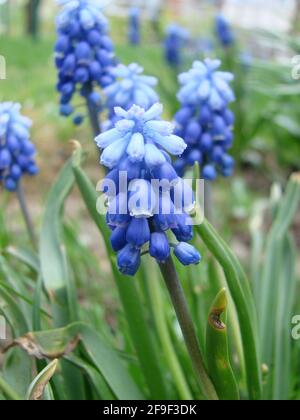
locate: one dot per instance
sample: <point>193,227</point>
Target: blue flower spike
<point>176,39</point>
<point>145,217</point>
<point>224,31</point>
<point>84,55</point>
<point>134,31</point>
<point>17,152</point>
<point>205,120</point>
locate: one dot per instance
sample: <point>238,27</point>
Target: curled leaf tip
<point>38,386</point>
<point>75,144</point>
<point>218,308</point>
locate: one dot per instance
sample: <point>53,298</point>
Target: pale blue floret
<point>142,136</point>
<point>131,88</point>
<point>203,83</point>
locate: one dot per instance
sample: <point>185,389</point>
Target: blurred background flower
<point>205,120</point>
<point>17,152</point>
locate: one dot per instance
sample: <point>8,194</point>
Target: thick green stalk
<point>240,291</point>
<point>187,327</point>
<point>165,339</point>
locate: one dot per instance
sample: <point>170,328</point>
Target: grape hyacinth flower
<point>84,56</point>
<point>131,87</point>
<point>17,153</point>
<point>134,35</point>
<point>176,38</point>
<point>205,120</point>
<point>139,147</point>
<point>224,31</point>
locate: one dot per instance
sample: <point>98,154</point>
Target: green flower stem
<point>187,327</point>
<point>93,117</point>
<point>26,214</point>
<point>208,201</point>
<point>164,336</point>
<point>8,391</point>
<point>240,291</point>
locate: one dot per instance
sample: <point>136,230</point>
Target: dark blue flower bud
<point>193,132</point>
<point>78,119</point>
<point>5,159</point>
<point>183,115</point>
<point>66,110</point>
<point>159,247</point>
<point>83,52</point>
<point>94,37</point>
<point>81,75</point>
<point>184,229</point>
<point>138,232</point>
<point>62,44</point>
<point>187,254</point>
<point>209,173</point>
<point>206,142</point>
<point>118,238</point>
<point>129,260</point>
<point>194,156</point>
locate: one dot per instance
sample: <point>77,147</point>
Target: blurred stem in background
<point>32,17</point>
<point>26,214</point>
<point>5,15</point>
<point>93,115</point>
<point>296,20</point>
<point>94,119</point>
<point>187,327</point>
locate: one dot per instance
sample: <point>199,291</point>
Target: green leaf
<point>288,124</point>
<point>274,282</point>
<point>37,388</point>
<point>100,386</point>
<point>55,271</point>
<point>240,290</point>
<point>282,379</point>
<point>217,352</point>
<point>8,391</point>
<point>58,343</point>
<point>25,256</point>
<point>54,266</point>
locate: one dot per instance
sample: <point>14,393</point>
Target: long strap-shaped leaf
<point>240,291</point>
<point>217,353</point>
<point>133,308</point>
<point>53,260</point>
<point>272,266</point>
<point>56,275</point>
